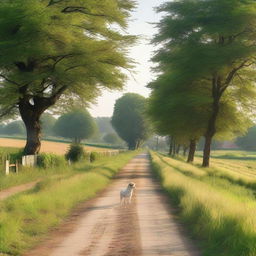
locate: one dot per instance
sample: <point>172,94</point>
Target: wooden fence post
<point>17,166</point>
<point>7,167</point>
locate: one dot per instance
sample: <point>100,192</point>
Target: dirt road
<point>102,228</point>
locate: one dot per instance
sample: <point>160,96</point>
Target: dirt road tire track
<point>101,227</point>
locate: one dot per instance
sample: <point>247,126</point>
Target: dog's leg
<point>125,202</point>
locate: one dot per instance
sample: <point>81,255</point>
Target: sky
<point>141,53</point>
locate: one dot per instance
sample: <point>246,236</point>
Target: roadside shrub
<point>47,160</point>
<point>93,156</point>
<point>17,156</point>
<point>75,153</point>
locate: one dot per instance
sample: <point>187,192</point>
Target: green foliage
<point>112,138</point>
<point>52,48</point>
<point>248,141</point>
<point>76,125</point>
<point>181,113</point>
<point>11,154</point>
<point>104,125</point>
<point>205,83</point>
<point>47,160</point>
<point>129,119</point>
<point>94,156</point>
<point>75,153</point>
<point>47,122</point>
<point>14,128</point>
<point>54,52</point>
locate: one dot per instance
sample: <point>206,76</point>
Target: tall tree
<point>211,42</point>
<point>129,119</point>
<point>178,111</point>
<point>59,50</point>
<point>76,125</point>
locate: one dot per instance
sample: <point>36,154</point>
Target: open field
<point>218,204</point>
<point>47,146</point>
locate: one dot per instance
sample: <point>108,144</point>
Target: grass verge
<point>25,218</point>
<point>223,220</point>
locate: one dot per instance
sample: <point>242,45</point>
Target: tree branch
<point>52,2</point>
<point>233,73</point>
<point>10,81</point>
<point>7,111</point>
<point>71,9</point>
<point>73,67</point>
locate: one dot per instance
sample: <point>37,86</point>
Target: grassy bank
<point>218,212</point>
<point>26,174</point>
<point>27,217</point>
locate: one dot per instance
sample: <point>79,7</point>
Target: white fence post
<point>7,167</point>
<point>17,167</point>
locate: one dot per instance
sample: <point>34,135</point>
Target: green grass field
<point>26,217</point>
<point>217,204</point>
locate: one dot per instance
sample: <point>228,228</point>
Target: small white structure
<point>29,160</point>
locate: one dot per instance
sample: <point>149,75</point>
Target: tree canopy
<point>60,51</point>
<point>76,125</point>
<point>208,48</point>
<point>129,119</point>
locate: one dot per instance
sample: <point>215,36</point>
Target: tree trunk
<point>178,149</point>
<point>30,114</point>
<point>171,146</point>
<point>185,149</point>
<point>192,150</point>
<point>211,128</point>
<point>138,144</point>
<point>31,119</point>
<point>132,145</point>
<point>207,150</point>
<point>174,148</point>
<point>31,109</point>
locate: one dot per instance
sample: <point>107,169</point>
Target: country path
<point>101,227</point>
<point>5,193</point>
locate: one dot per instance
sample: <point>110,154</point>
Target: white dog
<point>126,194</point>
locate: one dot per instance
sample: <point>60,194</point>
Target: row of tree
<point>206,74</point>
<point>76,125</point>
